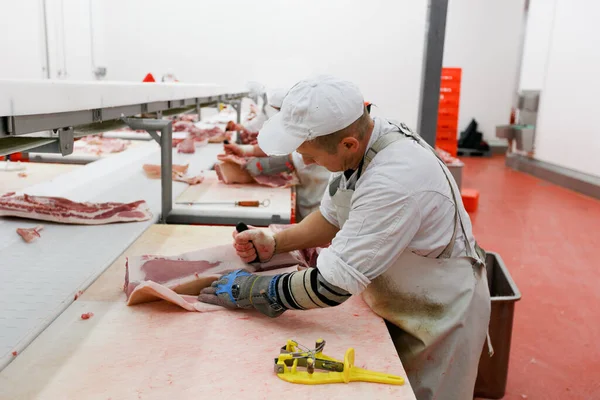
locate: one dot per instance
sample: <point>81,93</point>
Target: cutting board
<point>159,351</point>
<point>214,190</point>
<point>10,181</point>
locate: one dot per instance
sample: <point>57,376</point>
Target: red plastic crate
<point>448,113</point>
<point>446,135</point>
<point>451,73</point>
<point>451,146</point>
<point>449,101</point>
<point>447,124</point>
<point>470,198</point>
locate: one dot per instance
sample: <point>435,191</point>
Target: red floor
<point>549,238</point>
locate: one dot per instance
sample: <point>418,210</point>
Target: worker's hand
<point>245,150</point>
<point>225,291</point>
<point>241,289</point>
<point>269,165</point>
<point>247,243</point>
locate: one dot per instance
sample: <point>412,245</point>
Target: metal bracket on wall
<point>432,69</point>
<point>165,140</point>
<point>237,106</point>
<point>64,144</point>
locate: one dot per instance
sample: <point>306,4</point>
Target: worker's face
<point>344,158</point>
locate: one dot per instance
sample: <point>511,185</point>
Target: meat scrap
<point>65,211</point>
<point>150,278</point>
<point>231,173</point>
<point>179,173</point>
<point>187,146</point>
<point>153,170</point>
<point>231,170</point>
<point>87,315</point>
<point>30,234</point>
<point>99,145</point>
<point>306,257</point>
<point>76,296</point>
<point>22,175</point>
<point>445,156</point>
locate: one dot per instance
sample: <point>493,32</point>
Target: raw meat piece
<point>232,158</point>
<point>153,170</point>
<point>214,135</point>
<point>15,353</point>
<point>99,145</point>
<point>179,171</point>
<point>151,291</point>
<point>64,211</point>
<point>231,170</point>
<point>87,315</point>
<point>30,234</point>
<point>232,126</point>
<point>247,137</point>
<point>305,257</point>
<point>187,146</point>
<point>190,272</point>
<point>231,173</point>
<point>190,180</point>
<point>182,126</point>
<point>445,156</point>
<point>282,179</point>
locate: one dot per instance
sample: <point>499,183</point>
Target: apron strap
<point>447,252</point>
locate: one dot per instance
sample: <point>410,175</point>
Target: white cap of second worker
<point>276,97</point>
<point>312,108</point>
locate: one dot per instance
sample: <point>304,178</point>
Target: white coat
<point>406,244</point>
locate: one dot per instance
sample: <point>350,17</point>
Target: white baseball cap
<point>276,97</point>
<point>312,108</point>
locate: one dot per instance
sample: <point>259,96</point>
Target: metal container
<point>505,131</point>
<point>493,371</point>
<point>525,136</point>
<point>456,169</point>
<point>529,100</point>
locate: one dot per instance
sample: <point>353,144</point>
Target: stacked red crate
<point>447,126</point>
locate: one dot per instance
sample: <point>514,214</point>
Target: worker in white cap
<point>399,236</point>
<point>313,178</point>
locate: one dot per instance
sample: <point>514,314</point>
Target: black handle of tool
<point>241,227</point>
<point>227,142</point>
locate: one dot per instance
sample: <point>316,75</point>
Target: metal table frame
<point>66,126</point>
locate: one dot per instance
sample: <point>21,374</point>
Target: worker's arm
<point>313,231</point>
<point>244,150</point>
<point>274,294</point>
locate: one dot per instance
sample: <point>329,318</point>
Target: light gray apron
<point>437,309</point>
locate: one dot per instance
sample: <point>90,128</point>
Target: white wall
<point>483,38</point>
<point>567,132</point>
<point>376,44</point>
<point>21,40</point>
<point>537,43</point>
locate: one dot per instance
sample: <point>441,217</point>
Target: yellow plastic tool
<point>291,357</point>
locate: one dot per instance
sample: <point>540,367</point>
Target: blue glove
<point>269,165</point>
<point>241,289</point>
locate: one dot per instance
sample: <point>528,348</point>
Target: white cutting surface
<point>10,181</point>
<point>28,97</point>
<point>39,279</point>
<point>131,135</point>
<point>159,351</point>
<point>80,156</point>
<point>211,190</point>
